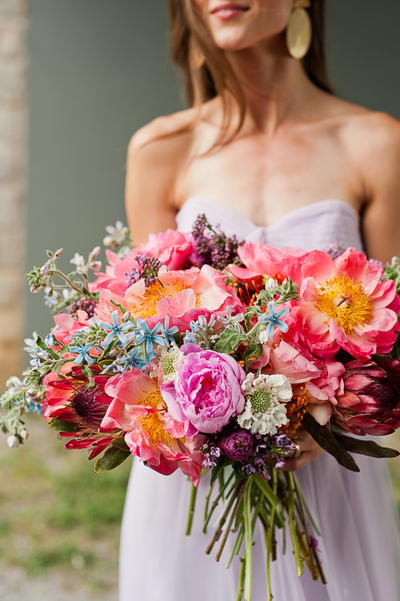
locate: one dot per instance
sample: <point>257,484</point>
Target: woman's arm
<point>153,160</point>
<point>380,153</point>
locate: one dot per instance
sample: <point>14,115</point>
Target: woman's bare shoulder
<point>371,140</point>
<point>370,131</point>
<point>173,132</point>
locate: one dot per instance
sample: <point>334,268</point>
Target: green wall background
<point>99,69</point>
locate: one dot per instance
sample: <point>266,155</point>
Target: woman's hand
<point>309,450</point>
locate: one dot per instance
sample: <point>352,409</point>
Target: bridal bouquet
<point>202,353</point>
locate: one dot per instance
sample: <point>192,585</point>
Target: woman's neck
<point>275,85</point>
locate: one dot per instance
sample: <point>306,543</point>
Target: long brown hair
<point>216,75</point>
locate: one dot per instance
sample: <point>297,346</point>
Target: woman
<point>269,152</point>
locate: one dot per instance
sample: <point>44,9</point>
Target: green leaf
<point>112,458</point>
<point>365,447</point>
<point>252,353</point>
<point>229,340</point>
<point>41,344</point>
<point>63,425</point>
<point>326,439</point>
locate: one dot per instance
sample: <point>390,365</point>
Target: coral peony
<point>182,296</point>
<point>150,432</point>
<point>265,260</point>
<point>343,303</point>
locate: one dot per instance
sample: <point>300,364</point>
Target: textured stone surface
<point>10,205</point>
<point>13,61</point>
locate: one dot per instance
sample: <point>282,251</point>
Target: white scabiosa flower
<point>266,397</point>
<point>169,360</point>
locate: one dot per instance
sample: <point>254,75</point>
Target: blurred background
<point>77,78</point>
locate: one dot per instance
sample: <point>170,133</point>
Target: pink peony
<point>151,433</point>
<point>116,277</point>
<point>322,379</point>
<point>343,303</point>
<point>67,325</point>
<point>265,260</point>
<point>171,247</point>
<point>206,393</point>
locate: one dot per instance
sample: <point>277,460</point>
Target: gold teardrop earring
<point>196,55</point>
<point>299,29</point>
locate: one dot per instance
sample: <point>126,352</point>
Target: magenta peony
<point>207,392</point>
<point>370,403</point>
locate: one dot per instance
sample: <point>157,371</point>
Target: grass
<point>57,514</point>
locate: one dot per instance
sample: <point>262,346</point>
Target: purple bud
<point>238,445</point>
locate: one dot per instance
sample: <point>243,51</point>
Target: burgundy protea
<point>76,408</point>
<point>237,445</point>
<point>370,403</point>
<point>87,407</point>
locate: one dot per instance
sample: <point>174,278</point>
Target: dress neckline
<point>320,205</point>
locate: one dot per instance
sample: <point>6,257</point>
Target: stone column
<point>13,111</point>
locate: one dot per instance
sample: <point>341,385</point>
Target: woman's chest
<point>266,178</point>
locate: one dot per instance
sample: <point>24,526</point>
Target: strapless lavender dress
<point>359,547</point>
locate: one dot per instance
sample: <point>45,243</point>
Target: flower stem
<point>216,501</point>
<point>241,581</point>
<point>248,535</point>
<point>223,518</point>
<point>293,526</point>
<point>69,282</point>
<point>192,505</point>
<point>230,522</point>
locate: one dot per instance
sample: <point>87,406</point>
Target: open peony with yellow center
<point>150,431</point>
<point>182,296</point>
<point>345,303</point>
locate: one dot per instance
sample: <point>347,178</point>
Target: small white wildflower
<point>32,348</point>
<point>79,262</point>
<point>266,397</point>
<point>13,441</point>
<point>116,235</point>
<point>270,284</point>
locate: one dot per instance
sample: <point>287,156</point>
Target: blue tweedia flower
<point>34,408</point>
<point>49,340</point>
<point>272,319</point>
<point>116,330</point>
<point>133,360</point>
<point>144,334</point>
<point>190,337</point>
<point>83,353</point>
<point>169,332</point>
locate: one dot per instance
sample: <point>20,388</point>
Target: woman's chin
<point>231,40</point>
